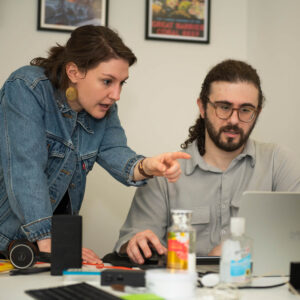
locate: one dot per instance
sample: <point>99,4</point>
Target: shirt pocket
<point>234,207</point>
<point>201,223</point>
<point>88,161</point>
<point>201,219</point>
<point>56,153</point>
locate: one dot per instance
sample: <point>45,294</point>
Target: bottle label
<point>240,270</point>
<point>178,250</point>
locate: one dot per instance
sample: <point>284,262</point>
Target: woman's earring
<point>71,93</point>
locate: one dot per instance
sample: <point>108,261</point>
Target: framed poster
<point>178,20</point>
<point>66,15</point>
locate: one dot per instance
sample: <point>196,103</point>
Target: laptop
<point>273,222</point>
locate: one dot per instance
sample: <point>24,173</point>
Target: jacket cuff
<point>130,166</point>
<point>38,230</point>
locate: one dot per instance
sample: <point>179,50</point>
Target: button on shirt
<point>213,195</point>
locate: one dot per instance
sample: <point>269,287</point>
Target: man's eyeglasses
<point>224,111</point>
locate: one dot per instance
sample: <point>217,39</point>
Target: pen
<point>102,266</point>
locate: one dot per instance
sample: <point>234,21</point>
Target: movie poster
<point>66,15</point>
<point>180,20</point>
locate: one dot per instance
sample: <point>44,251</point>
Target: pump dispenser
<point>236,258</point>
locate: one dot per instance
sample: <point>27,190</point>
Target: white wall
<point>158,103</point>
<point>274,48</point>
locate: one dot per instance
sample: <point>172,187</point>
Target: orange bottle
<point>181,241</point>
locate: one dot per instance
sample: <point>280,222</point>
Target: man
<point>224,164</point>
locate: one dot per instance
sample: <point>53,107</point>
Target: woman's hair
<point>228,71</point>
<point>87,47</point>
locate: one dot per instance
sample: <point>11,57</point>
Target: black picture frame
<point>65,16</point>
<point>178,20</point>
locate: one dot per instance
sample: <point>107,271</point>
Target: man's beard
<point>229,144</point>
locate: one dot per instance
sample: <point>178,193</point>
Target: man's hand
<point>88,256</point>
<point>140,242</point>
<point>165,164</point>
<point>217,251</point>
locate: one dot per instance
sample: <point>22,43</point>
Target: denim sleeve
<point>24,157</point>
<point>114,154</point>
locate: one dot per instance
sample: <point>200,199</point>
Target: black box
<point>66,243</point>
<point>295,275</point>
<point>124,277</point>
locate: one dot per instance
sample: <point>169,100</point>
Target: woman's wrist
<point>140,172</point>
<point>141,169</point>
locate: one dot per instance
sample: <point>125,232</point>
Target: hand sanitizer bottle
<point>235,265</point>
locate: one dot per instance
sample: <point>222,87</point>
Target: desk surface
<point>13,287</point>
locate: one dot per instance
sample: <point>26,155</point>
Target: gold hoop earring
<point>71,93</point>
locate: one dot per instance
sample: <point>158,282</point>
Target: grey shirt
<point>212,194</point>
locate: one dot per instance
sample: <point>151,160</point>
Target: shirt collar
<point>197,160</point>
<point>249,151</point>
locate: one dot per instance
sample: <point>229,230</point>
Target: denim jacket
<point>47,149</point>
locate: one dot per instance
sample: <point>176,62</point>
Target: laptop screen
<point>273,222</point>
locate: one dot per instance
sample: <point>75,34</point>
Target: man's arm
<point>147,221</point>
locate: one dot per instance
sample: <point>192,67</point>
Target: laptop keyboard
<point>80,291</point>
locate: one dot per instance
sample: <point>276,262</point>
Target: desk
<point>13,287</point>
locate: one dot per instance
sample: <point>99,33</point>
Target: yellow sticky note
<point>5,265</point>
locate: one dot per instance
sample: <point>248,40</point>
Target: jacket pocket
<point>55,148</point>
<point>88,161</point>
<point>56,153</point>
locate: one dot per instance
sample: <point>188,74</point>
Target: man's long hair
<point>229,71</point>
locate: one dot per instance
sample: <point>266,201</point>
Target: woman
<point>57,118</point>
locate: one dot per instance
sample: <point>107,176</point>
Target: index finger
<point>180,155</point>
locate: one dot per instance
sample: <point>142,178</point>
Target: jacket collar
<point>82,118</point>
